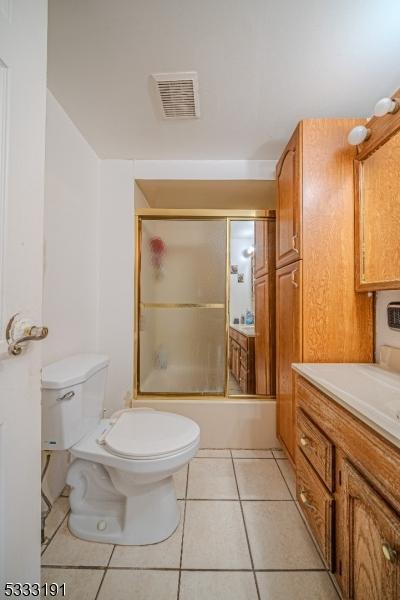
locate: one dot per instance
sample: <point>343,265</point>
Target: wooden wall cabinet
<point>348,487</point>
<point>320,317</point>
<point>264,303</point>
<point>264,243</point>
<point>288,228</point>
<point>377,203</point>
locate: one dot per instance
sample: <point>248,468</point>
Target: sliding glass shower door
<point>182,306</point>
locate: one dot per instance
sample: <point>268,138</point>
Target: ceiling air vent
<point>179,94</point>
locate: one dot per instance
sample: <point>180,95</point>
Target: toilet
<point>121,477</point>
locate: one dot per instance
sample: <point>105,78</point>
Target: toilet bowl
<point>121,477</point>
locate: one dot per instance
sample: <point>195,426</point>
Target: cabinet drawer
<point>234,335</point>
<point>317,505</point>
<point>316,446</point>
<point>243,342</point>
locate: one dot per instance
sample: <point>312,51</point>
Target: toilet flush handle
<point>67,396</point>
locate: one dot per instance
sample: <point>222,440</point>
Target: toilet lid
<point>145,434</point>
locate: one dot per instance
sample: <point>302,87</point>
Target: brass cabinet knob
<point>305,501</point>
<point>293,278</point>
<point>389,553</point>
<point>304,441</point>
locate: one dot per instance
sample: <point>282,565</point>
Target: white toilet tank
<point>72,399</point>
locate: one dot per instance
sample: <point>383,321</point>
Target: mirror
<point>379,217</point>
<point>251,317</point>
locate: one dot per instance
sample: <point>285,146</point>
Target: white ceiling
<point>263,65</point>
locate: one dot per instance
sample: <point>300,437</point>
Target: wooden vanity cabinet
<point>241,353</point>
<point>320,317</point>
<point>371,540</point>
<point>348,485</point>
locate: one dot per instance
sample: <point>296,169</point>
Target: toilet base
<point>99,513</point>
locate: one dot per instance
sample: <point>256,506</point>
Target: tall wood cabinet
<point>320,317</point>
<point>264,302</point>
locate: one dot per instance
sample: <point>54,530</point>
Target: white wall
<point>241,298</point>
<point>70,256</point>
<point>115,293</point>
<point>70,232</point>
<point>384,335</point>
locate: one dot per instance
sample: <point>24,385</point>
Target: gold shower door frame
<point>185,214</point>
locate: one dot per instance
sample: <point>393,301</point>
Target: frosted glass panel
<point>182,339</point>
<point>183,261</point>
<point>182,350</point>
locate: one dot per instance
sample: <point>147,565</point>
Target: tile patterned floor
<point>241,537</point>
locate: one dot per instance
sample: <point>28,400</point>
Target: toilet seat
<point>150,434</point>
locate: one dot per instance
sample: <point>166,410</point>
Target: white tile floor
<point>241,537</point>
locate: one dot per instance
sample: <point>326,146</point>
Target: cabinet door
<point>288,233</point>
<point>377,185</point>
<point>264,300</point>
<point>231,345</point>
<point>236,361</point>
<point>372,541</point>
<point>288,348</point>
<point>265,247</point>
<point>260,247</point>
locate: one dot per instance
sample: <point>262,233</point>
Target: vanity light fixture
<point>385,106</point>
<point>358,134</point>
<point>248,251</point>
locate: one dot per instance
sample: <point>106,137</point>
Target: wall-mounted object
<point>358,135</point>
<point>19,331</point>
<point>377,201</point>
<point>393,315</point>
<point>248,252</point>
<point>386,106</point>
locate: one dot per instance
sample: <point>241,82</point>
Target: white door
<point>23,40</point>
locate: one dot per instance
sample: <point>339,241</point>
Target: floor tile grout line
<point>176,569</point>
<point>335,584</point>
<point>245,530</point>
<point>237,499</point>
<point>237,457</point>
<point>55,532</point>
<point>178,592</point>
<point>105,573</point>
<point>284,479</point>
<point>302,516</point>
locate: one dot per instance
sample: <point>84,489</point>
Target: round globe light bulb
<point>358,134</point>
<point>385,106</point>
<point>248,251</point>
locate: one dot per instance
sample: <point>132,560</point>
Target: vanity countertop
<point>367,390</point>
<point>247,330</point>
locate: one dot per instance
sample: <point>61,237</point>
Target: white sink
<point>246,329</point>
<point>368,390</point>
